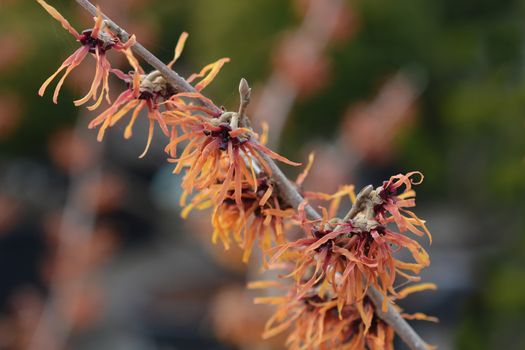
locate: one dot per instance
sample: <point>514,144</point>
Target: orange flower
<point>95,41</point>
<point>314,321</point>
<point>221,152</point>
<point>208,73</point>
<point>354,254</point>
<point>326,255</point>
<point>143,92</point>
<point>393,205</point>
<point>153,92</point>
<point>260,218</point>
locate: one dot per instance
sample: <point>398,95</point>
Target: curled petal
<point>300,179</point>
<point>403,293</point>
<point>150,137</point>
<point>178,48</point>
<point>264,284</point>
<point>274,155</point>
<point>420,316</point>
<point>101,77</point>
<point>56,15</point>
<point>128,44</point>
<point>264,134</point>
<point>208,73</point>
<point>123,98</point>
<point>70,63</point>
<point>98,24</point>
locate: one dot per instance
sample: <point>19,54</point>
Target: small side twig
<point>246,94</point>
<point>392,317</point>
<point>286,188</point>
<point>359,202</point>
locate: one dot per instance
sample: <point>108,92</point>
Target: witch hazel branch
<point>339,286</point>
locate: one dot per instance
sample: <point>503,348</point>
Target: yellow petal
<point>420,316</point>
<point>209,73</point>
<point>56,15</point>
<point>178,48</point>
<point>415,288</point>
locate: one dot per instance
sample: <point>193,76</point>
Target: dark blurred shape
<point>69,152</point>
<point>369,128</point>
<point>14,45</point>
<point>11,112</point>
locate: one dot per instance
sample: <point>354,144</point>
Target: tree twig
<point>396,321</point>
<point>287,189</point>
<point>358,205</point>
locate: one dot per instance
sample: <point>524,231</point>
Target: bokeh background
<point>93,253</point>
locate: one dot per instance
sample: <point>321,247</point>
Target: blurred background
<point>93,253</point>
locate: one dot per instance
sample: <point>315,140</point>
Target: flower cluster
<point>222,150</point>
<point>315,321</point>
<point>227,167</point>
<point>96,41</point>
<point>339,259</point>
<point>223,158</point>
<point>260,217</point>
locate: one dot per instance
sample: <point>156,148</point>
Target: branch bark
<point>286,188</point>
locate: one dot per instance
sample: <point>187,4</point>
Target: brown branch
<point>287,189</point>
<point>396,321</point>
